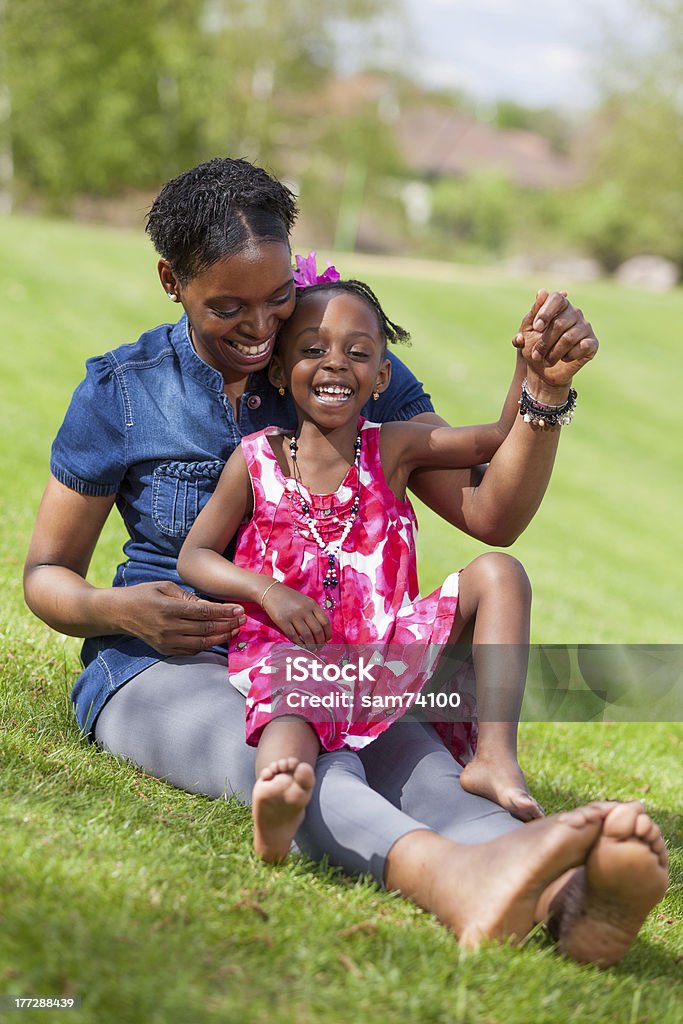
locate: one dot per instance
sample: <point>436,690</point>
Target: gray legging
<point>182,722</point>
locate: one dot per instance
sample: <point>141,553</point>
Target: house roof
<point>436,142</point>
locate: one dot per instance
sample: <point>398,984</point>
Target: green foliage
<point>477,211</point>
<point>640,169</point>
<point>633,201</point>
<point>105,97</point>
<point>98,98</point>
<point>602,223</point>
<point>97,108</point>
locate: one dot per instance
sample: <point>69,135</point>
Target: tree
<point>6,157</point>
<point>107,96</point>
<point>633,202</point>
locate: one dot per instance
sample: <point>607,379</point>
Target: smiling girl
<point>326,556</point>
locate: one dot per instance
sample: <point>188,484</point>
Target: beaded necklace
<point>332,549</point>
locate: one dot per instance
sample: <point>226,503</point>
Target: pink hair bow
<point>306,272</point>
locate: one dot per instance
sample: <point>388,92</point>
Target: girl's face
<point>236,307</point>
<point>331,357</point>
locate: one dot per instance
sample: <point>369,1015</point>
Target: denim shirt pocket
<point>179,492</point>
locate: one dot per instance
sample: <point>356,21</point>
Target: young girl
<point>326,556</point>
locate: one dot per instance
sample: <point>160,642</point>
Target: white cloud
<point>533,51</point>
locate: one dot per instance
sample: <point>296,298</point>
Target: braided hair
<point>215,210</point>
<point>390,331</point>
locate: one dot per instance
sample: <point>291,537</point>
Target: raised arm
<point>168,618</point>
<point>555,341</point>
<point>409,445</point>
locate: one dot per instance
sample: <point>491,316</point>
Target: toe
<point>523,806</point>
<point>523,813</point>
<point>659,848</point>
<point>304,775</point>
<point>621,820</point>
<point>643,826</point>
<point>658,844</point>
<point>604,806</point>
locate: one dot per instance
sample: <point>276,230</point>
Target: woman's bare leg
<point>595,910</point>
<point>285,778</point>
<point>494,608</point>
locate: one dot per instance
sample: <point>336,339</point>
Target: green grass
<point>146,902</point>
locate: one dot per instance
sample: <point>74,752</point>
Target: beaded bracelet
<point>542,415</point>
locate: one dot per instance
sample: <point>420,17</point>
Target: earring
<point>281,390</point>
<point>375,394</point>
<point>172,296</point>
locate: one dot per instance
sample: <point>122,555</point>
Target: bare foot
<point>490,890</point>
<point>625,876</point>
<point>501,780</point>
<point>281,794</point>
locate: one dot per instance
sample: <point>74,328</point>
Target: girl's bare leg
<point>285,778</point>
<point>494,607</point>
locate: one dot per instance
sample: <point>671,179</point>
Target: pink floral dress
<point>378,619</point>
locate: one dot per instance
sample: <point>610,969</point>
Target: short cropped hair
<point>215,210</point>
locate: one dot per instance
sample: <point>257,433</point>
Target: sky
<point>538,52</point>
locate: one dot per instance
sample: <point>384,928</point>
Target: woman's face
<point>236,307</point>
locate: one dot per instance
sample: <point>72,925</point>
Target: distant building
<point>437,142</point>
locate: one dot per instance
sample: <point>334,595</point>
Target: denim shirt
<point>151,424</point>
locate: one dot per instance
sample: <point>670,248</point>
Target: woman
<point>160,418</point>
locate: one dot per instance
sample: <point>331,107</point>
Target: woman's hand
<point>172,620</point>
<point>555,339</point>
<point>168,618</point>
<point>300,618</point>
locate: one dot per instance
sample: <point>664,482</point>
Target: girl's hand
<point>300,618</point>
<point>555,339</point>
<point>172,620</point>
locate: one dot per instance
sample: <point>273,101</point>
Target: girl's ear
<point>276,374</point>
<point>383,376</point>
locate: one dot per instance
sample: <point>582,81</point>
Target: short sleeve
<point>89,451</point>
<point>404,398</point>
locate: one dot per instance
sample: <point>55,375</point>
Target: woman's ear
<point>383,376</point>
<point>169,282</point>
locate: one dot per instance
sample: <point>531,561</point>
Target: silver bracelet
<point>544,415</point>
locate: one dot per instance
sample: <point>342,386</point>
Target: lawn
<point>145,902</point>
